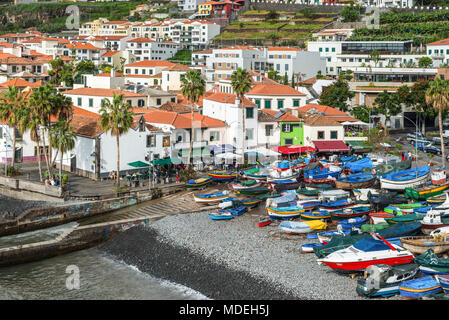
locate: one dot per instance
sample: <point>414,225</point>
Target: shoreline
<point>230,260</point>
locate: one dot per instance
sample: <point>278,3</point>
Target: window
<point>249,134</point>
<point>321,49</point>
<point>79,102</point>
<point>334,135</point>
<point>320,134</point>
<point>268,130</point>
<point>286,67</point>
<point>143,71</point>
<point>296,103</point>
<point>214,136</point>
<point>136,71</point>
<point>327,49</point>
<point>151,141</point>
<point>249,113</point>
<point>278,67</point>
<point>288,141</point>
<point>280,104</point>
<point>257,101</point>
<point>140,103</point>
<point>286,128</point>
<point>91,102</point>
<point>158,101</point>
<point>267,104</point>
<point>173,99</point>
<point>333,49</point>
<point>328,59</point>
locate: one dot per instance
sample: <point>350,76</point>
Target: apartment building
<point>148,49</point>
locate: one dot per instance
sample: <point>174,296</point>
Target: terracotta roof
<point>329,111</point>
<point>108,74</point>
<point>203,51</point>
<point>228,98</point>
<point>141,40</point>
<point>86,126</point>
<point>17,60</point>
<point>96,38</point>
<point>20,83</point>
<point>151,63</point>
<point>175,107</point>
<point>110,53</point>
<point>287,116</point>
<point>83,112</point>
<point>344,118</point>
<point>283,49</point>
<point>309,81</point>
<point>319,120</point>
<point>84,46</point>
<point>441,42</point>
<point>181,121</point>
<point>274,90</point>
<point>178,67</point>
<point>102,92</point>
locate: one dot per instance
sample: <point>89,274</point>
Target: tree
<point>274,37</point>
<point>375,57</point>
<point>193,87</point>
<point>272,14</point>
<point>337,95</point>
<point>293,84</point>
<point>61,72</point>
<point>363,113</point>
<point>286,79</point>
<point>345,75</point>
<point>10,103</point>
<point>117,118</point>
<point>350,14</point>
<point>387,104</point>
<point>273,75</point>
<point>242,82</point>
<point>62,138</point>
<point>437,95</point>
<point>425,62</point>
<point>308,13</point>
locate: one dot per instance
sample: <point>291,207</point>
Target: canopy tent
<point>331,146</point>
<point>161,162</point>
<point>138,164</point>
<point>228,155</point>
<point>355,123</point>
<point>223,148</point>
<point>292,149</point>
<point>262,151</point>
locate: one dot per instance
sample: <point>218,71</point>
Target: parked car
<point>413,136</point>
<point>437,140</point>
<point>428,148</point>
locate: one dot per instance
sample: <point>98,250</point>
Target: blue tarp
<point>407,174</point>
<point>359,165</point>
<point>368,245</point>
<point>289,196</point>
<point>400,229</point>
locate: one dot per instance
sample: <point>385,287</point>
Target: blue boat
<point>339,204</point>
<point>400,230</point>
<point>315,215</point>
<point>356,222</point>
<point>220,215</point>
<point>308,247</point>
<point>405,179</point>
<point>286,199</point>
<point>444,282</point>
<point>347,159</point>
<point>355,181</point>
<point>419,287</point>
<point>359,165</point>
<point>321,173</point>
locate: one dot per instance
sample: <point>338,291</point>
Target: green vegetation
<point>51,17</point>
<point>182,56</point>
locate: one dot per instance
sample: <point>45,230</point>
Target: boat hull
<point>419,245</point>
<point>354,185</point>
<point>423,194</point>
<point>362,265</point>
<point>402,185</point>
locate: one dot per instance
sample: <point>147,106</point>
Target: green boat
<point>438,199</point>
<point>404,218</point>
<point>374,227</point>
<point>253,191</point>
<point>319,186</point>
<point>307,192</point>
<point>426,191</point>
<point>246,183</point>
<point>404,207</point>
<point>267,196</point>
<point>429,263</point>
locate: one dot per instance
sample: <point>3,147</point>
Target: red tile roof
<point>181,121</point>
<point>151,63</point>
<point>228,98</point>
<point>274,90</point>
<point>283,49</point>
<point>84,46</point>
<point>141,40</point>
<point>329,111</point>
<point>441,42</point>
<point>20,83</point>
<point>287,116</point>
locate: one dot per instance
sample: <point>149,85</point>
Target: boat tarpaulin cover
<point>338,242</point>
<point>400,229</point>
<point>429,258</point>
<point>368,245</point>
<point>331,146</point>
<point>359,165</point>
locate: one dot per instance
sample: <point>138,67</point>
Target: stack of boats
<point>396,234</point>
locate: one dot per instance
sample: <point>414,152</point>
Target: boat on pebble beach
<point>433,220</point>
<point>443,280</point>
<point>296,227</point>
<point>283,213</point>
<point>334,205</point>
<point>308,247</point>
<point>405,179</point>
<point>355,181</point>
<point>349,213</point>
<point>420,287</point>
<point>429,263</point>
<point>420,244</point>
<point>211,197</point>
<point>197,183</point>
<point>220,215</point>
<point>315,215</point>
<point>253,191</point>
<point>222,176</point>
<point>243,184</point>
<point>426,191</point>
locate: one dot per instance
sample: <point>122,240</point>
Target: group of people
<point>53,181</point>
<point>404,156</point>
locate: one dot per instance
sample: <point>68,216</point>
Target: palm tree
<point>10,103</point>
<point>193,87</point>
<point>437,95</point>
<point>241,82</point>
<point>63,138</point>
<point>116,117</point>
<point>29,118</point>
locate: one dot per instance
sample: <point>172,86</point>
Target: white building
<point>276,96</point>
<point>438,51</point>
<point>148,49</point>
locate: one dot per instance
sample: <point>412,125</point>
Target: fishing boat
<point>382,280</point>
<point>197,183</point>
<point>420,244</point>
<point>264,221</point>
<point>330,181</point>
<point>433,220</point>
<point>405,218</point>
<point>404,207</point>
<point>379,217</point>
<point>367,252</point>
<point>308,247</point>
<point>256,173</point>
<point>220,215</point>
<point>308,204</point>
<point>319,186</point>
<point>333,195</point>
<point>315,215</point>
<point>288,198</point>
<point>430,263</point>
<point>354,181</point>
<point>426,191</point>
<point>363,194</point>
<point>210,197</point>
<point>349,224</point>
<point>339,204</point>
<point>420,287</point>
<point>222,176</point>
<point>237,211</point>
<point>400,230</point>
<point>443,280</point>
<point>359,165</point>
<point>349,213</point>
<point>325,237</point>
<point>392,167</point>
<point>283,213</point>
<point>281,170</point>
<point>405,179</point>
<point>438,199</point>
<point>296,227</point>
<point>442,230</point>
<point>279,187</point>
<point>368,227</point>
<point>322,173</point>
<point>243,184</point>
<point>252,191</point>
<point>308,193</point>
<point>250,202</point>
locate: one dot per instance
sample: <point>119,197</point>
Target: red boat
<point>378,217</point>
<point>264,222</point>
<point>320,181</point>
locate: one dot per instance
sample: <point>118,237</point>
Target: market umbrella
<point>138,164</point>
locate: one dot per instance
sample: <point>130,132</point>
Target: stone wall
<point>31,186</point>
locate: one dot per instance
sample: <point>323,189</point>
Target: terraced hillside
<point>262,27</point>
<point>421,27</point>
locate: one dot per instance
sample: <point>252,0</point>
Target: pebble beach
<point>233,259</point>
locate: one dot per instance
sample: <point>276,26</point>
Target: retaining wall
<point>31,186</point>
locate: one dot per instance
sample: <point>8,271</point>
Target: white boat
<point>333,195</point>
<point>281,170</point>
<point>367,252</point>
<point>301,227</point>
<point>405,179</point>
<point>433,220</point>
<point>362,194</point>
<point>440,230</point>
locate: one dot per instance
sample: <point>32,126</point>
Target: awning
<point>331,146</point>
<point>161,162</point>
<point>228,155</point>
<point>358,145</point>
<point>292,149</point>
<point>359,123</point>
<point>138,164</point>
